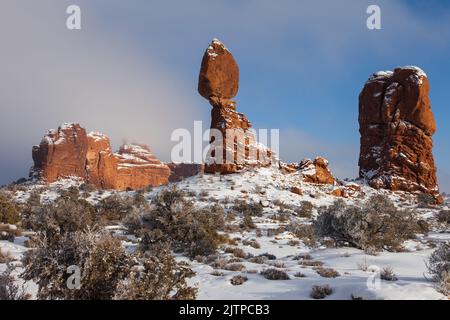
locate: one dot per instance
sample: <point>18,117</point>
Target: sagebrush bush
<point>115,207</point>
<point>9,290</point>
<point>68,213</point>
<point>101,258</point>
<point>248,208</point>
<point>305,209</point>
<point>444,216</point>
<point>158,277</point>
<point>305,232</point>
<point>327,272</point>
<point>274,274</point>
<point>388,274</point>
<point>438,265</point>
<point>377,224</point>
<point>9,211</point>
<point>321,292</point>
<point>188,229</point>
<point>238,280</point>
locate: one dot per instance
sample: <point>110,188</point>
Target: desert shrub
<point>133,222</point>
<point>310,263</point>
<point>277,264</point>
<point>425,200</point>
<point>9,211</point>
<point>248,208</point>
<point>238,280</point>
<point>252,243</point>
<point>438,266</point>
<point>247,222</point>
<point>377,224</point>
<point>101,258</point>
<point>305,209</point>
<point>268,256</point>
<point>219,263</point>
<point>305,232</point>
<point>444,216</point>
<point>68,213</point>
<point>115,207</point>
<point>321,292</point>
<point>274,274</point>
<point>303,256</point>
<point>234,266</point>
<point>388,274</point>
<point>237,252</point>
<point>258,260</point>
<point>191,230</point>
<point>5,256</point>
<point>299,275</point>
<point>327,272</point>
<point>9,290</point>
<point>167,283</point>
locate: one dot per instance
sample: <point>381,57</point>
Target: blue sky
<point>132,70</point>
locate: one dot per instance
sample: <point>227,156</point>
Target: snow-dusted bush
<point>101,259</point>
<point>9,211</point>
<point>388,274</point>
<point>439,267</point>
<point>247,222</point>
<point>274,274</point>
<point>158,276</point>
<point>253,209</point>
<point>9,290</point>
<point>68,213</point>
<point>377,224</point>
<point>327,272</point>
<point>115,207</point>
<point>425,200</point>
<point>320,292</point>
<point>305,209</point>
<point>238,280</point>
<point>305,232</point>
<point>188,229</point>
<point>444,216</point>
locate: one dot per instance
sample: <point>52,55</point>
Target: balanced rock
<point>70,152</point>
<point>219,73</point>
<point>396,126</point>
<point>233,142</point>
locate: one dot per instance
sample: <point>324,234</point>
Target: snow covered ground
<point>359,273</point>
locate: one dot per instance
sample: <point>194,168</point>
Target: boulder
<point>316,171</point>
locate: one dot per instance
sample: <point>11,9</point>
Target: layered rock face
<point>233,142</point>
<point>62,153</point>
<point>138,168</point>
<point>396,126</point>
<point>70,152</point>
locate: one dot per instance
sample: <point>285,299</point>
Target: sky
<point>131,72</point>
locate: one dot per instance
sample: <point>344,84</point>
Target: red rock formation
<point>233,143</point>
<point>61,153</point>
<point>396,126</point>
<point>316,171</point>
<point>69,151</point>
<point>138,168</point>
<point>101,164</point>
